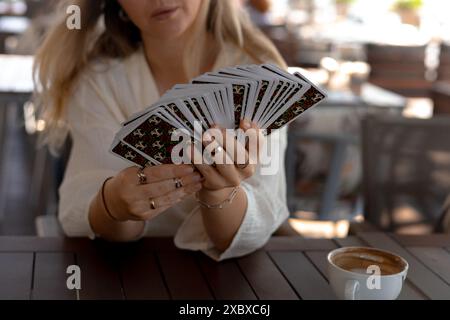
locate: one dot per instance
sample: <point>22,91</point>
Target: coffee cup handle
<point>351,287</point>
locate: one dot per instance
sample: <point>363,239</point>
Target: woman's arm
<point>221,181</point>
<point>245,231</point>
<point>222,224</point>
<point>93,120</point>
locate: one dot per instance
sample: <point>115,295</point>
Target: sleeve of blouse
<point>266,210</point>
<point>92,122</point>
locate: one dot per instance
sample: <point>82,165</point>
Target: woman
<point>92,79</point>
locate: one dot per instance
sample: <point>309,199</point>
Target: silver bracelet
<point>222,204</point>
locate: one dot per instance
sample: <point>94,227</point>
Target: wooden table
<point>286,268</point>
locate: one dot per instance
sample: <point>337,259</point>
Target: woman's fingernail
<point>197,177</point>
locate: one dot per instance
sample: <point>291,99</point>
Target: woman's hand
<point>234,165</point>
<point>235,161</point>
<point>128,200</point>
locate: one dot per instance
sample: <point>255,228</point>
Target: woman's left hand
<point>234,165</point>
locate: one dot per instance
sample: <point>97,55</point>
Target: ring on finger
<point>142,177</point>
<point>243,166</point>
<point>178,183</point>
<point>152,204</point>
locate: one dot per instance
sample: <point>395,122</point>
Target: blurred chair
<point>284,40</point>
<point>443,224</point>
<point>47,176</point>
<point>440,93</point>
<point>37,8</point>
<point>311,52</point>
<point>406,175</point>
<point>444,63</point>
<point>339,143</point>
<point>43,16</point>
<point>296,51</point>
<point>399,68</point>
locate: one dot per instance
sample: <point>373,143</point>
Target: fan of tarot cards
<point>264,94</point>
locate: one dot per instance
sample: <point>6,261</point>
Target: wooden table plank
<point>431,240</point>
<point>423,278</point>
<point>350,241</point>
<point>100,276</point>
<point>298,244</point>
<point>183,276</point>
<point>319,259</point>
<point>16,271</point>
<point>307,281</point>
<point>264,277</point>
<point>141,277</point>
<point>50,277</point>
<point>33,244</point>
<point>437,259</point>
<point>225,279</point>
<point>411,292</point>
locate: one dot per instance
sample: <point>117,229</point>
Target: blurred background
<point>375,155</point>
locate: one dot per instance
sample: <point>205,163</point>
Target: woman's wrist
<point>220,194</point>
<point>103,205</point>
<point>105,202</point>
<point>105,227</point>
<point>217,199</point>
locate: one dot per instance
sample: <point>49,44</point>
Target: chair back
<point>406,172</point>
<point>399,68</point>
<point>443,72</point>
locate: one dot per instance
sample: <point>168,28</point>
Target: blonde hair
<point>65,53</point>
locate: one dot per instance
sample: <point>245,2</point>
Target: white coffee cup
<point>359,273</point>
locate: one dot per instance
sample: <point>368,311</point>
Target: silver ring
<point>152,204</point>
<point>178,183</point>
<point>142,177</point>
<point>243,166</point>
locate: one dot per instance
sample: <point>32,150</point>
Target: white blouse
<point>106,95</point>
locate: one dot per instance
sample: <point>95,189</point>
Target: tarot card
<point>152,136</point>
<point>127,153</point>
<point>240,92</point>
<point>311,98</point>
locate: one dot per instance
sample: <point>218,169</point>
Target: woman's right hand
<point>128,200</point>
